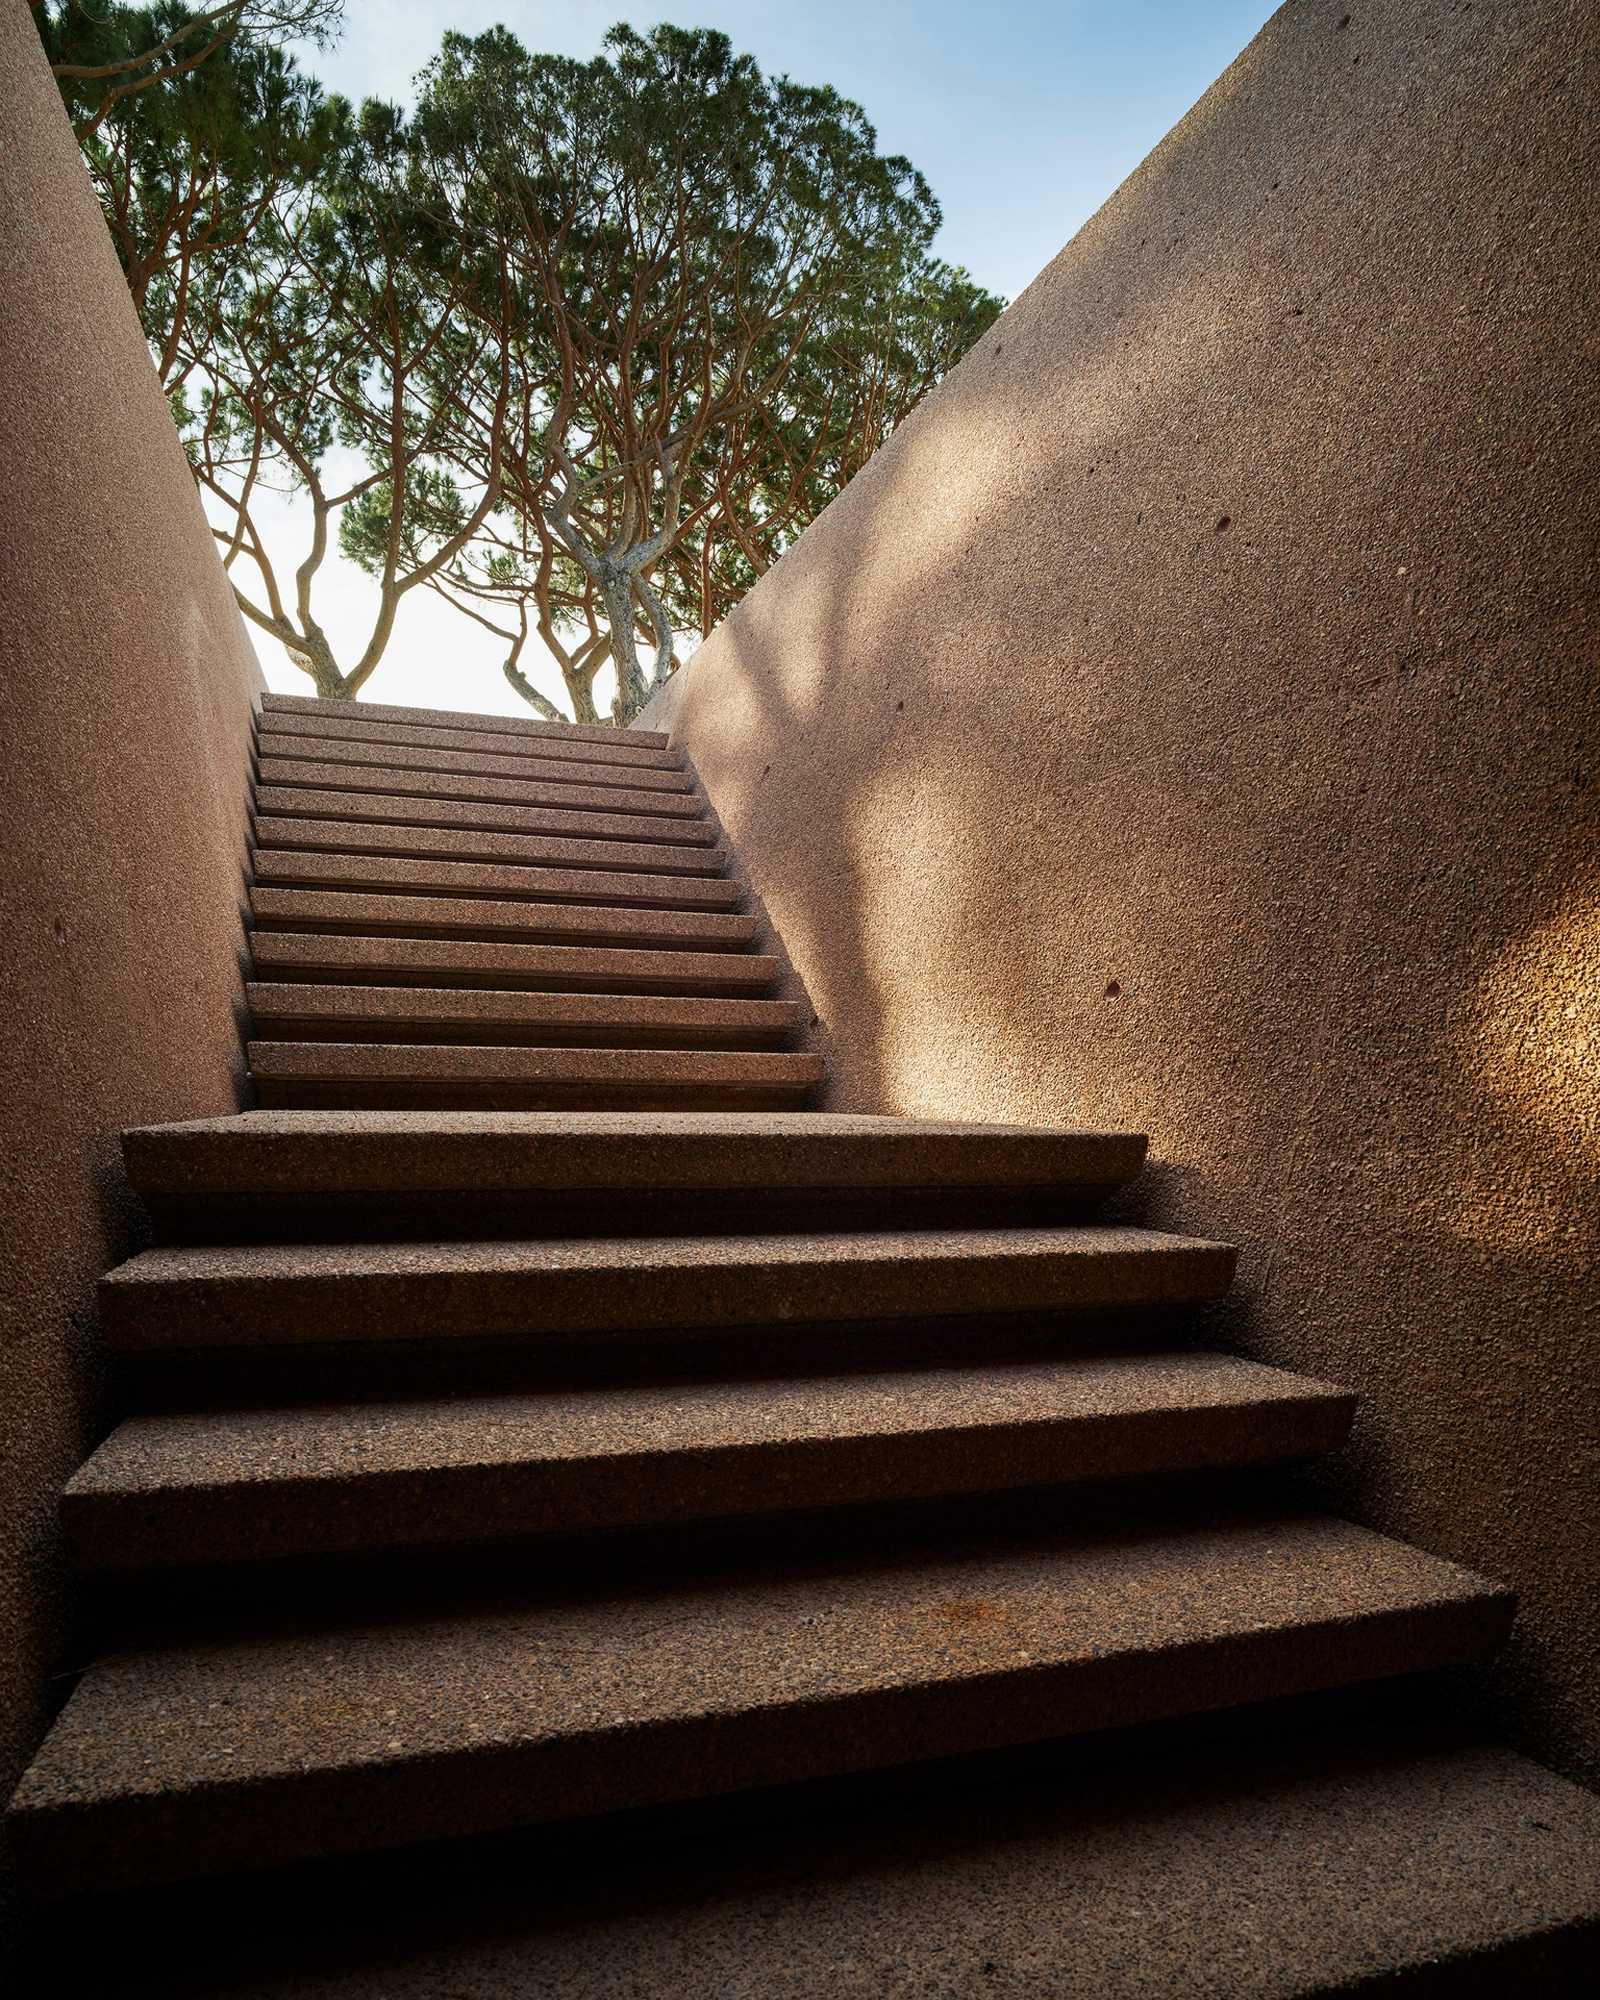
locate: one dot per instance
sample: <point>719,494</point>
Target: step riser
<point>217,1377</point>
<point>512,1296</point>
<point>351,812</point>
<point>423,788</point>
<point>336,835</point>
<point>136,1840</point>
<point>493,1213</point>
<point>336,757</point>
<point>263,1519</point>
<point>289,1095</point>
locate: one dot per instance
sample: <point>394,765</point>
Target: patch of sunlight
<point>1535,1042</point>
<point>927,927</point>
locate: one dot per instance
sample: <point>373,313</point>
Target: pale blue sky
<point>1024,116</point>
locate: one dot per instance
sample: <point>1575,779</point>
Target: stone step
<point>544,851</point>
<point>357,1074</point>
<point>470,1152</point>
<point>604,747</point>
<point>354,812</point>
<point>292,1294</point>
<point>454,718</point>
<point>345,780</point>
<point>307,1176</point>
<point>1285,1852</point>
<point>567,880</point>
<point>546,1020</point>
<point>336,755</point>
<point>468,963</point>
<point>251,1485</point>
<point>480,919</point>
<point>245,1752</point>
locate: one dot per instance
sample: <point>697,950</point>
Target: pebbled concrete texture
<point>557,878</point>
<point>475,917</point>
<point>226,1486</point>
<point>343,836</point>
<point>436,1014</point>
<point>381,754</point>
<point>463,719</point>
<point>466,962</point>
<point>392,811</point>
<point>196,1759</point>
<point>297,772</point>
<point>1186,722</point>
<point>340,722</point>
<point>125,744</point>
<point>394,1074</point>
<point>286,1151</point>
<point>1452,1869</point>
<point>288,1294</point>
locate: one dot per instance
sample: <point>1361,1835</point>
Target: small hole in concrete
<point>1344,21</point>
<point>1224,524</point>
<point>765,769</point>
<point>898,706</point>
<point>1114,990</point>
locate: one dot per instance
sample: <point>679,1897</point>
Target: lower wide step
<point>1267,1866</point>
<point>205,1759</point>
<point>255,1484</point>
<point>285,1295</point>
<point>305,1074</point>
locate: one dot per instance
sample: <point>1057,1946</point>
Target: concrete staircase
<point>456,910</point>
<point>518,1442</point>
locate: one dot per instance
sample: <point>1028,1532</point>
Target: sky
<point>1024,116</point>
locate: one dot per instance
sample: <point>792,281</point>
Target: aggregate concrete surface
<point>1186,722</point>
<point>194,1759</point>
<point>288,1293</point>
<point>227,1485</point>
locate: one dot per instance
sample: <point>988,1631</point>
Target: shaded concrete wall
<point>126,695</point>
<point>1188,722</point>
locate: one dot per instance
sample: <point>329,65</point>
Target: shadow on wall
<point>1181,724</point>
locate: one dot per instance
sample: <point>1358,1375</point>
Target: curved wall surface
<point>126,695</point>
<point>1188,721</point>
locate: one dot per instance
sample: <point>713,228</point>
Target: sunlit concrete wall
<point>126,693</point>
<point>1188,722</point>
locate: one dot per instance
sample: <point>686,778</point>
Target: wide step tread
<point>257,1152</point>
<point>254,1484</point>
<point>357,822</point>
<point>204,1758</point>
<point>286,1294</point>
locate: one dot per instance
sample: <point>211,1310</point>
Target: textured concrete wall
<point>1188,722</point>
<point>126,691</point>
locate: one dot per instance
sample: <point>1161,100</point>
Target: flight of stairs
<point>453,910</point>
<point>515,1443</point>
